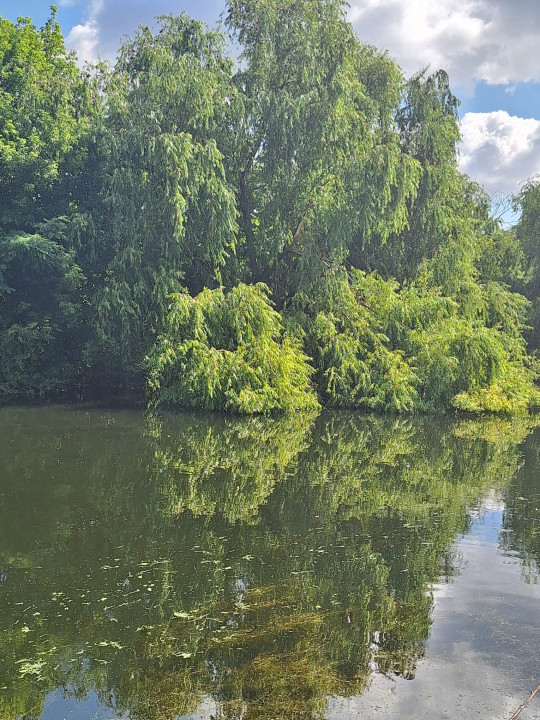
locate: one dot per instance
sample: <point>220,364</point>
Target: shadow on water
<point>253,567</point>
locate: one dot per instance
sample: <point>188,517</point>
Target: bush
<point>355,363</point>
<point>229,352</point>
<point>378,346</point>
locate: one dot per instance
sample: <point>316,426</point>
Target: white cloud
<point>85,38</point>
<point>499,150</point>
<point>491,40</point>
<point>109,21</point>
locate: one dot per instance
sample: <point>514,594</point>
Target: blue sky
<point>490,48</point>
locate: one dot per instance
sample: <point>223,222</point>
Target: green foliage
<point>476,358</point>
<point>427,122</point>
<point>43,116</point>
<point>355,365</point>
<point>46,110</point>
<point>39,313</point>
<point>308,164</point>
<point>528,237</point>
<point>472,367</point>
<point>387,348</point>
<point>168,207</point>
<point>528,230</point>
<point>317,158</point>
<point>228,352</point>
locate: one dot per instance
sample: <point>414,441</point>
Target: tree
<point>317,159</point>
<point>228,352</point>
<point>528,236</point>
<point>427,123</point>
<point>168,207</point>
<point>40,316</point>
<point>45,116</point>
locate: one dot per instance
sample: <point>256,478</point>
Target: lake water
<point>339,567</point>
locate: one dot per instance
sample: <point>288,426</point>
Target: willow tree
<point>427,121</point>
<point>168,205</point>
<point>316,155</point>
<point>528,235</point>
<point>228,352</point>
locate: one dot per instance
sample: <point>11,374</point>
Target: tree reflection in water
<point>265,564</point>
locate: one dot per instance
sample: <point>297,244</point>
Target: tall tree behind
<point>317,158</point>
<point>427,121</point>
<point>169,211</point>
<point>528,235</point>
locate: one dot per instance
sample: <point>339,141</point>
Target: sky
<point>480,659</point>
<point>490,49</point>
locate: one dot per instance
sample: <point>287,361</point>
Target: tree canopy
<point>179,179</point>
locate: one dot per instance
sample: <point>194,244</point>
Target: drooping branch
<point>245,211</point>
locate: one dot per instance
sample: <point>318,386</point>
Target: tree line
<point>270,233</point>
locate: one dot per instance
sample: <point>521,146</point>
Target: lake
<point>341,566</point>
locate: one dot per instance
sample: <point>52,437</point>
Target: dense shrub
<point>228,351</point>
<point>378,346</point>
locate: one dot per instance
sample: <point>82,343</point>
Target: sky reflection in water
<point>339,567</point>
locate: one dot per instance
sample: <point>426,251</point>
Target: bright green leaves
<point>378,346</point>
<point>42,119</point>
<point>356,366</point>
<point>228,352</point>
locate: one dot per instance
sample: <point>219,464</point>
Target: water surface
<point>335,567</point>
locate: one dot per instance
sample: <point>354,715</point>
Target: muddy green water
<point>336,567</point>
